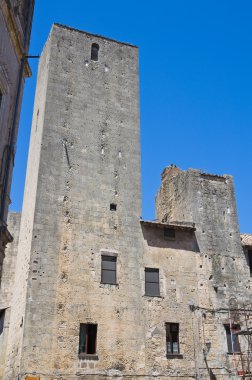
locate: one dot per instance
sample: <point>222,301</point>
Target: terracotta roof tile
<point>246,240</point>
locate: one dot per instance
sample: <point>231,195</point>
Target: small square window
<point>233,344</point>
<point>113,207</point>
<point>108,269</point>
<point>87,339</point>
<point>169,233</point>
<point>152,282</point>
<point>172,338</point>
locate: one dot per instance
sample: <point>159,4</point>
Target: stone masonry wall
<point>208,201</point>
<point>9,267</point>
<point>26,227</point>
<point>13,23</point>
<point>224,280</point>
<point>176,260</point>
<point>89,150</point>
<point>9,66</point>
<point>84,158</point>
<point>7,282</point>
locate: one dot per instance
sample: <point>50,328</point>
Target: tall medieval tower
<point>81,205</point>
<point>100,293</point>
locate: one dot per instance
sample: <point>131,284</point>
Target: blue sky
<point>195,85</point>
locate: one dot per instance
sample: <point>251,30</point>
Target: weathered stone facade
<point>173,286</point>
<point>223,273</point>
<point>6,291</point>
<point>15,25</point>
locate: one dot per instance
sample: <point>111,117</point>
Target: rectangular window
<point>1,321</point>
<point>1,326</point>
<point>169,233</point>
<point>152,282</point>
<point>172,338</point>
<point>87,341</point>
<point>250,260</point>
<point>233,344</point>
<point>108,269</point>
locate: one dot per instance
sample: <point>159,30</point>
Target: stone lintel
<point>189,226</point>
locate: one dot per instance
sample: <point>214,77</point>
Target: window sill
<point>84,356</point>
<point>108,283</point>
<point>234,353</point>
<point>151,296</point>
<point>174,356</point>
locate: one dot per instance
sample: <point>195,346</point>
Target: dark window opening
<point>113,207</point>
<point>152,282</point>
<point>172,338</point>
<point>108,269</point>
<point>250,260</point>
<point>87,341</point>
<point>3,163</point>
<point>233,344</point>
<point>169,233</point>
<point>94,52</point>
<point>1,322</point>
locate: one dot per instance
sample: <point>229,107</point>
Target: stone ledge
<point>176,225</point>
<point>84,356</point>
<point>174,356</point>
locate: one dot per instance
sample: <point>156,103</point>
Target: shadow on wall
<point>211,374</point>
<point>182,240</point>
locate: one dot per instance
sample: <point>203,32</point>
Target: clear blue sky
<point>195,85</point>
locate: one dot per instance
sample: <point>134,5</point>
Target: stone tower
<point>81,205</point>
<point>208,200</point>
<point>100,293</point>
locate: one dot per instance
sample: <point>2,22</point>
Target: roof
<point>246,240</point>
<point>174,224</point>
<point>94,35</point>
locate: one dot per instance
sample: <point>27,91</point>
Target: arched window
<point>94,52</point>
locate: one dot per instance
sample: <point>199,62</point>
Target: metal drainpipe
<point>18,94</point>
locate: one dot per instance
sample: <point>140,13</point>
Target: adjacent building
<point>15,28</point>
<point>98,292</point>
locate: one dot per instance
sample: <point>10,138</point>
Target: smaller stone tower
<point>205,199</point>
<point>208,201</point>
